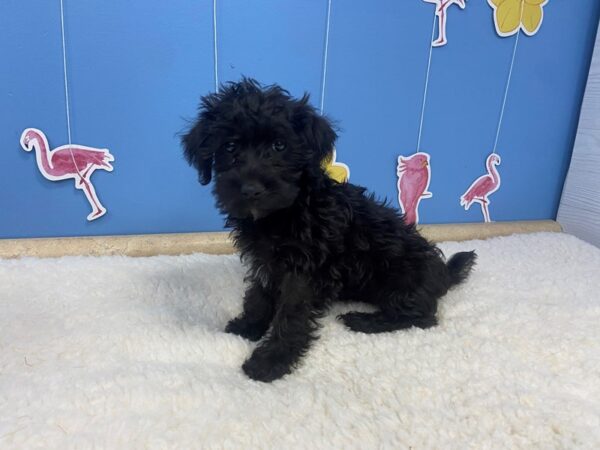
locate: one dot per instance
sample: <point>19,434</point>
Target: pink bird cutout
<point>414,174</point>
<point>440,11</point>
<point>78,162</point>
<point>483,187</point>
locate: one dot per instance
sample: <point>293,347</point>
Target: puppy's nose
<point>252,191</point>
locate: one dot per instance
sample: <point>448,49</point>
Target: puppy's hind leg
<point>397,312</point>
<point>380,322</point>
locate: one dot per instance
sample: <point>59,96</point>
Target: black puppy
<point>308,240</point>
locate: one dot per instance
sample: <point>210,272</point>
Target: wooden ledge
<point>219,243</point>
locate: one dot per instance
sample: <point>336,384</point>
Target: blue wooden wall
<point>137,68</point>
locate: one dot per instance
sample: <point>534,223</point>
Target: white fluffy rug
<point>127,353</point>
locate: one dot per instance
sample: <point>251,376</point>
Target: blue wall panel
<point>137,69</point>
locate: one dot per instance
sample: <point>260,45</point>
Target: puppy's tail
<point>460,266</point>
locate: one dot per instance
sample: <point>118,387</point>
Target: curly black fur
<point>308,240</point>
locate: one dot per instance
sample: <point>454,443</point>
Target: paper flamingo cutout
<point>440,11</point>
<point>338,171</point>
<point>414,174</point>
<point>78,162</point>
<point>483,187</point>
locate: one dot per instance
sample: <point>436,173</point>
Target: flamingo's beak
<point>425,163</point>
<point>26,144</point>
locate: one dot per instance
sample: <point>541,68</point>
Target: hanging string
<point>323,82</point>
<point>426,83</point>
<point>325,56</point>
<point>66,84</point>
<point>510,71</point>
<point>215,52</point>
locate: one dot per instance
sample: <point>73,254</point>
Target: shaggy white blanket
<point>127,353</point>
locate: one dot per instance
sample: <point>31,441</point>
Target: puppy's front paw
<point>264,369</point>
<point>245,329</point>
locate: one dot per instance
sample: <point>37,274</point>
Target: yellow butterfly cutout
<point>337,171</point>
<point>512,15</point>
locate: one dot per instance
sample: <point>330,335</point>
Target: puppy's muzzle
<point>252,191</point>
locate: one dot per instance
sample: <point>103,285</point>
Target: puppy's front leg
<point>291,333</point>
<point>253,323</point>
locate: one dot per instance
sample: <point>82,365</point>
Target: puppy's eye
<point>230,146</point>
<point>278,145</point>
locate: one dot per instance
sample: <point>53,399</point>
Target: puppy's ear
<point>196,143</point>
<point>316,129</point>
<point>197,152</point>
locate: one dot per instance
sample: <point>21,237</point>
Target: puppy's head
<point>261,144</point>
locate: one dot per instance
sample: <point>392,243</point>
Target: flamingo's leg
<point>90,194</point>
<point>485,210</point>
<point>81,177</point>
<point>85,174</point>
<point>441,13</point>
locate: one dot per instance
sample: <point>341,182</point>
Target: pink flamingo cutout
<point>414,174</point>
<point>483,187</point>
<point>78,162</point>
<point>440,11</point>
